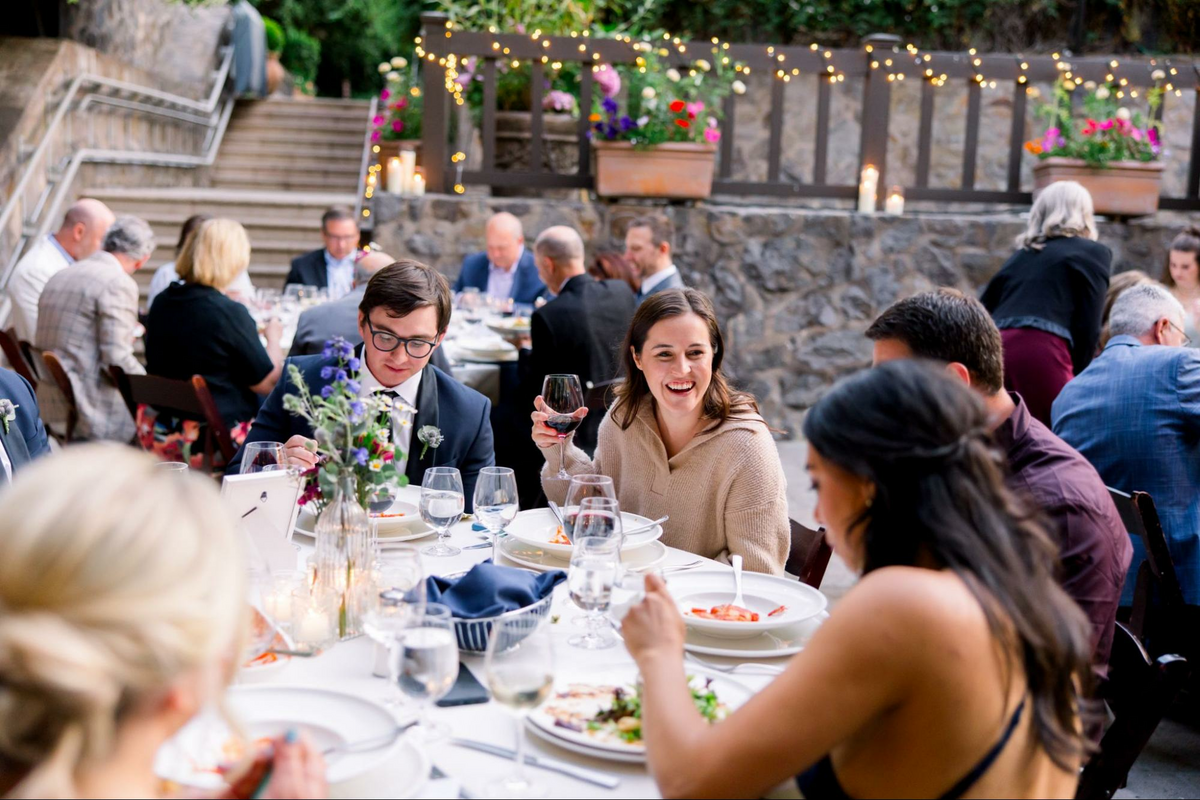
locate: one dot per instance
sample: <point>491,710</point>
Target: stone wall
<point>794,288</point>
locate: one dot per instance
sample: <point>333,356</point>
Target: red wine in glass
<point>563,396</point>
<point>563,424</point>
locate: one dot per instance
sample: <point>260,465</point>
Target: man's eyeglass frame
<point>408,343</point>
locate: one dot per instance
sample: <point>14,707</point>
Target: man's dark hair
<point>403,287</point>
<point>336,214</point>
<point>661,228</point>
<point>946,325</point>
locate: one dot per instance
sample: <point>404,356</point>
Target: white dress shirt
<point>5,464</point>
<point>500,281</point>
<point>165,275</point>
<point>369,384</point>
<point>339,275</point>
<point>649,283</point>
<point>29,277</point>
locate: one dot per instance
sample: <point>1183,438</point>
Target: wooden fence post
<point>877,97</point>
<point>434,128</point>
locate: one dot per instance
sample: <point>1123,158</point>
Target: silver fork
<point>763,669</point>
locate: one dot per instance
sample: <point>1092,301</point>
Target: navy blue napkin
<point>488,590</point>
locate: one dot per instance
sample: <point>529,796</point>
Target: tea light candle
<point>868,190</point>
<point>314,627</point>
<point>894,204</point>
<point>418,185</point>
<point>394,176</point>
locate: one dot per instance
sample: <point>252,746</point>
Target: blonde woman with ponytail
<point>122,609</point>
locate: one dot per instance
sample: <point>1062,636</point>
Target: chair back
<point>16,358</point>
<point>58,374</point>
<point>183,399</point>
<point>1138,692</point>
<point>1141,519</point>
<point>809,555</point>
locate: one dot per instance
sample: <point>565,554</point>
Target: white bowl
<point>761,593</point>
<point>538,526</point>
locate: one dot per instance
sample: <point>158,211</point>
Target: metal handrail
<point>365,160</point>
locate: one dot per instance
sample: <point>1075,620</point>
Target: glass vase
<point>343,564</point>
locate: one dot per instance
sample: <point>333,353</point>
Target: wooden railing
<point>879,64</point>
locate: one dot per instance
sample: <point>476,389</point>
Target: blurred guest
<point>87,315</point>
<point>1048,297</point>
<point>954,667</point>
<point>1093,548</point>
<point>1135,414</point>
<point>679,441</point>
<point>241,289</point>
<point>610,265</point>
<point>22,435</point>
<point>1182,277</point>
<point>332,266</point>
<point>319,324</point>
<point>82,231</point>
<point>1119,283</point>
<point>194,329</point>
<point>122,617</point>
<point>506,270</point>
<point>649,244</point>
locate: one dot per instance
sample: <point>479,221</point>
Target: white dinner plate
<point>538,525</point>
<point>328,718</point>
<point>527,555</point>
<point>509,325</point>
<point>770,644</point>
<point>761,593</point>
<point>390,531</point>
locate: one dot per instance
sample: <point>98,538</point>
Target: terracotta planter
<point>389,150</point>
<point>1122,189</point>
<point>678,170</point>
<point>275,72</point>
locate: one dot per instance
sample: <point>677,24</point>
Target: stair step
<point>285,162</point>
<point>328,126</point>
<point>302,228</point>
<point>258,149</point>
<point>352,118</point>
<point>325,104</point>
<point>285,137</point>
<point>281,182</point>
<point>253,203</point>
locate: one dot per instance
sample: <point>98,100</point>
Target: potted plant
<point>1110,148</point>
<point>275,43</point>
<point>664,143</point>
<point>397,125</point>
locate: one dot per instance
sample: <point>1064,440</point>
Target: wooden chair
<point>809,556</point>
<point>57,374</point>
<point>16,358</point>
<point>1138,692</point>
<point>1157,572</point>
<point>186,400</point>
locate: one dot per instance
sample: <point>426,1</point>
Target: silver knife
<point>553,765</point>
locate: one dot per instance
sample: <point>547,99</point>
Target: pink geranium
<point>608,80</point>
<point>385,94</point>
<point>397,125</point>
<point>378,120</point>
<point>1052,139</point>
<point>712,135</point>
<point>376,135</point>
<point>1107,125</point>
<point>695,109</point>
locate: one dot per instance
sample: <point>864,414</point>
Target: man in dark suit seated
<point>22,435</point>
<point>649,243</point>
<point>506,270</point>
<point>402,319</point>
<point>332,266</point>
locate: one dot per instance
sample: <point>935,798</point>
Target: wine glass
<point>496,501</point>
<point>398,600</point>
<point>580,488</point>
<point>428,665</point>
<point>563,396</point>
<point>260,455</point>
<point>520,672</point>
<point>171,466</point>
<point>441,506</point>
<point>594,566</point>
<point>599,517</point>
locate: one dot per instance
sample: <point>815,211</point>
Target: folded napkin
<point>488,590</point>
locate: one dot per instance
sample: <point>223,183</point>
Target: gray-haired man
<point>86,315</point>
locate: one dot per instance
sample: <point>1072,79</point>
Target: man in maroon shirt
<point>1095,551</point>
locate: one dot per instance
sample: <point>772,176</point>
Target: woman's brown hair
<point>720,401</point>
<point>1186,241</point>
<point>610,265</point>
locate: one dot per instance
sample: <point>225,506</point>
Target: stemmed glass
<point>441,506</point>
<point>520,672</point>
<point>580,488</point>
<point>594,565</point>
<point>429,665</point>
<point>260,455</point>
<point>563,396</point>
<point>496,501</point>
<point>599,517</point>
<point>399,599</point>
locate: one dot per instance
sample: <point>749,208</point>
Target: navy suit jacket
<point>462,414</point>
<point>526,288</point>
<point>309,269</point>
<point>26,437</point>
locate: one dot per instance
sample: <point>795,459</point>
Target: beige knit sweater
<point>725,491</point>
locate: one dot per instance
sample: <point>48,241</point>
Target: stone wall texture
<point>794,288</point>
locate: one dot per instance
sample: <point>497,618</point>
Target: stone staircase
<point>281,164</point>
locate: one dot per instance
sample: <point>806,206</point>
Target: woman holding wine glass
<point>678,441</point>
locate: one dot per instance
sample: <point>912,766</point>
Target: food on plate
<point>777,612</point>
<point>559,537</point>
<point>262,660</point>
<point>613,714</point>
<point>728,613</point>
<point>395,515</point>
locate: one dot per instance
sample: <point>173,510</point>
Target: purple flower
<point>608,80</point>
<point>353,386</point>
<point>354,365</point>
<point>360,456</point>
<point>326,372</point>
<point>357,410</point>
<point>1052,139</point>
<point>609,105</point>
<point>327,352</point>
<point>327,391</point>
<point>610,131</point>
<point>340,376</point>
<point>626,123</point>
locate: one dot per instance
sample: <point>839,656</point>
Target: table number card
<point>265,504</point>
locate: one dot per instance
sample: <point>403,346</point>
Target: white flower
<point>375,465</point>
<point>1089,85</point>
<point>1124,114</point>
<point>673,75</point>
<point>652,104</point>
<point>1102,93</point>
<point>385,67</point>
<point>703,65</point>
<point>648,93</point>
<point>399,62</point>
<point>393,76</point>
<point>641,121</point>
<point>738,87</point>
<point>1157,75</point>
<point>8,412</point>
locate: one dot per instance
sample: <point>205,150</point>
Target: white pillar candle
<point>868,190</point>
<point>394,176</point>
<point>894,205</point>
<point>408,166</point>
<point>418,186</point>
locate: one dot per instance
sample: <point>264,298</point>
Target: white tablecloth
<point>347,667</point>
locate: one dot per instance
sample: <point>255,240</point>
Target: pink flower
<point>385,94</point>
<point>379,120</point>
<point>1052,139</point>
<point>558,101</point>
<point>694,109</point>
<point>376,135</point>
<point>397,125</point>
<point>608,80</point>
<point>712,135</point>
<point>1107,125</point>
<point>1137,135</point>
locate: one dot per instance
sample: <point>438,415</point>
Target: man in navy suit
<point>402,319</point>
<point>22,438</point>
<point>649,242</point>
<point>506,270</point>
<point>332,266</point>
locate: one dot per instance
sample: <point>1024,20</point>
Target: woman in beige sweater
<point>679,442</point>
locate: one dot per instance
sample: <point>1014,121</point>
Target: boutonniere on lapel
<point>430,436</point>
<point>8,412</point>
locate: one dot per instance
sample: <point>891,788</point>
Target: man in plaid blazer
<point>87,315</point>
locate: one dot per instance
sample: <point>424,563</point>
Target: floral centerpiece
<point>1094,136</point>
<point>400,103</point>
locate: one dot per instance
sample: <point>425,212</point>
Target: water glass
<point>496,502</point>
<point>428,665</point>
<point>595,563</point>
<point>581,488</point>
<point>563,396</point>
<point>260,455</point>
<point>441,506</point>
<point>385,622</point>
<point>520,673</point>
<point>172,466</point>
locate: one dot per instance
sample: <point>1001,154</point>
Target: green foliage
<point>301,55</point>
<point>275,37</point>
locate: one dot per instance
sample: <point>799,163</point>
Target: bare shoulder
<point>926,600</point>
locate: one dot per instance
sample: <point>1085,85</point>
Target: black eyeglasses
<point>387,342</point>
